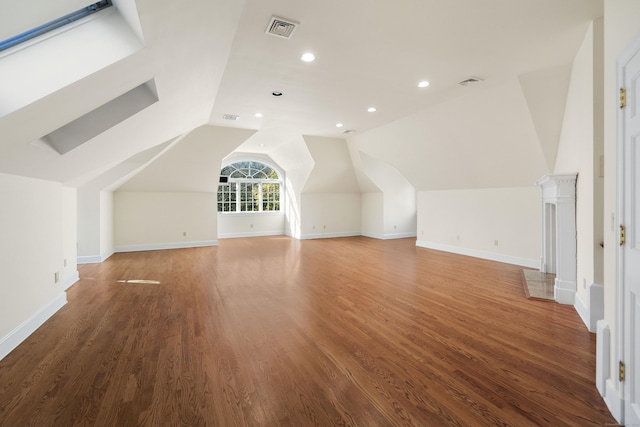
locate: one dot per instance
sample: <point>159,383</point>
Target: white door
<point>631,249</point>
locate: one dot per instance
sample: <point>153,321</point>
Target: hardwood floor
<point>279,332</point>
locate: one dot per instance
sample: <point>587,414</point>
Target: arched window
<point>249,187</point>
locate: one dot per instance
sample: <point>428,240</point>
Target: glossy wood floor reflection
<point>278,332</point>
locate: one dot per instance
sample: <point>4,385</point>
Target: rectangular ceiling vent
<point>349,131</point>
<point>231,117</point>
<point>281,28</point>
<point>470,81</point>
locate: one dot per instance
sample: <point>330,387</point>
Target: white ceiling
<point>212,57</point>
<point>373,53</point>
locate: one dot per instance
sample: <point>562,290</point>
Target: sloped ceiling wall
<point>192,165</point>
<point>333,169</point>
<point>185,51</point>
<point>486,138</point>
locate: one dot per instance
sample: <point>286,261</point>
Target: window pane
<point>227,197</point>
<point>249,197</point>
<point>271,197</point>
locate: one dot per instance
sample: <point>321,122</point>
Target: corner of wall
<point>26,328</point>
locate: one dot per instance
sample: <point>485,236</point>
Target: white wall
<point>178,191</point>
<point>70,236</point>
<point>577,153</point>
<point>399,198</point>
<point>470,221</point>
<point>295,159</point>
<point>159,220</point>
<point>372,215</point>
<point>32,250</point>
<point>330,215</point>
<point>106,224</point>
<point>88,204</point>
<point>248,225</point>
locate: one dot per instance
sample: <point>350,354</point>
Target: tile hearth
<point>538,285</point>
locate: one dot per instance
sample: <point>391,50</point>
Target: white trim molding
<point>603,356</point>
<point>559,233</point>
<point>13,339</point>
<point>594,311</point>
<point>389,236</point>
<point>162,246</point>
<point>70,280</point>
<point>92,259</point>
<point>492,256</point>
<point>330,235</point>
<point>251,234</point>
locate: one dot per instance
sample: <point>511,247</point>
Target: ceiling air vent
<point>470,81</point>
<point>231,117</point>
<point>281,28</point>
<point>348,131</point>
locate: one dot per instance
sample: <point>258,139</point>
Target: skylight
<point>54,24</point>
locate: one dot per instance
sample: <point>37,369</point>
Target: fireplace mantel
<point>559,233</point>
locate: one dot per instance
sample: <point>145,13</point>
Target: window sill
<point>263,213</point>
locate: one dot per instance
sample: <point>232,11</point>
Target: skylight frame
<point>54,24</point>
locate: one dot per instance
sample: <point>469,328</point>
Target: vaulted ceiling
<point>208,58</point>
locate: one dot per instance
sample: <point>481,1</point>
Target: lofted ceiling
<point>373,54</point>
<point>209,58</point>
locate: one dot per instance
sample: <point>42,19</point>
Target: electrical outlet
<point>324,227</point>
<point>495,243</point>
<point>184,234</point>
<point>394,227</point>
<point>56,277</point>
<point>251,225</point>
<point>457,237</point>
<point>65,262</point>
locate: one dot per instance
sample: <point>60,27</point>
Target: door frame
<point>627,54</point>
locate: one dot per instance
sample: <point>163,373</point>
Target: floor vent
<point>281,28</point>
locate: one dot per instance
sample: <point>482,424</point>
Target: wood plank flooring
<point>278,332</point>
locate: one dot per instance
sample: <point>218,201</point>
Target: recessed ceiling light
<point>258,115</point>
<point>339,125</point>
<point>276,93</point>
<point>308,57</point>
<point>372,109</point>
<point>423,83</point>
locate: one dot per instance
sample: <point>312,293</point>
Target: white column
<point>559,245</point>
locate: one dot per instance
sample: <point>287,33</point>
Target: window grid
<point>250,187</point>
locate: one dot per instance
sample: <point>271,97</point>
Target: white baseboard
<point>582,310</point>
<point>330,235</point>
<point>161,246</point>
<point>564,292</point>
<point>26,328</point>
<point>92,259</point>
<point>251,234</point>
<point>70,280</point>
<point>592,313</point>
<point>603,356</point>
<point>388,236</point>
<point>614,401</point>
<point>508,259</point>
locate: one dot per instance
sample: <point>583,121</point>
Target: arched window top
<point>249,170</point>
<point>249,186</point>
